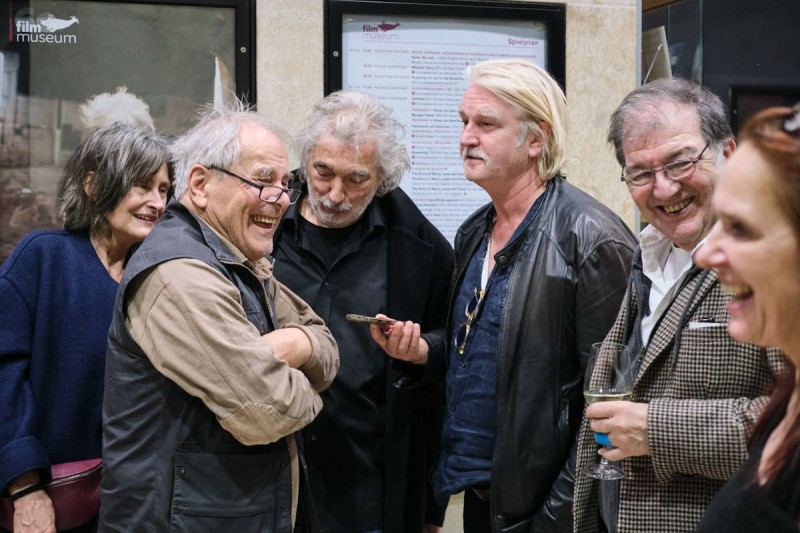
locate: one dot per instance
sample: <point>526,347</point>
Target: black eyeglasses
<point>267,193</point>
<point>675,171</point>
<point>471,311</point>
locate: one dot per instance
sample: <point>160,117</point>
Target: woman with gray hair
<point>58,289</point>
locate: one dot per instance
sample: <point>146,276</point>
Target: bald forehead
<point>255,135</point>
<point>656,120</point>
<point>263,153</point>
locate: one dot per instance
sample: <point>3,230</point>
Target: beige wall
<point>601,70</point>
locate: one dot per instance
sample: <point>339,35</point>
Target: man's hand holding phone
<point>352,317</point>
<point>400,340</point>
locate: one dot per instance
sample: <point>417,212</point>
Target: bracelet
<point>27,490</point>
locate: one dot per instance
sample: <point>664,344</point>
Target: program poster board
<point>416,65</point>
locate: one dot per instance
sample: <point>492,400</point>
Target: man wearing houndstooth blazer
<point>697,392</point>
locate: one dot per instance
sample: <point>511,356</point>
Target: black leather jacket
<point>569,272</point>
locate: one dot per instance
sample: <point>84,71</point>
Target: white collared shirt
<point>665,265</point>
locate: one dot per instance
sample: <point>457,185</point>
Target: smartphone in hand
<point>370,319</point>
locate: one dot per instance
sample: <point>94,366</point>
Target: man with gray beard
<point>540,272</point>
<point>355,243</point>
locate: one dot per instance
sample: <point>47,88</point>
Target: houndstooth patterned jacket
<point>703,406</point>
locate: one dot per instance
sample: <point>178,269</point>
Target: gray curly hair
<point>355,118</point>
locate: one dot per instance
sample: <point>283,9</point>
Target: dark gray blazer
<point>704,400</point>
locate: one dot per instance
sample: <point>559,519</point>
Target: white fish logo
<point>50,23</point>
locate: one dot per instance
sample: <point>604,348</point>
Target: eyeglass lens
<point>266,193</point>
<point>271,194</point>
<point>675,171</point>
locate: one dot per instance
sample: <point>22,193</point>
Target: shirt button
<point>182,472</point>
<point>502,260</point>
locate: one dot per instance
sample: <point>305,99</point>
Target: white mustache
<point>341,208</point>
<point>474,152</point>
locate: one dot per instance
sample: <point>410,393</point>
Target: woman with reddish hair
<point>755,248</point>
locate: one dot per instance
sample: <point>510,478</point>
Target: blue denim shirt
<point>468,430</point>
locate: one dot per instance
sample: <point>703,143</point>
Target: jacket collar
<point>667,334</point>
<point>223,249</point>
<point>543,207</point>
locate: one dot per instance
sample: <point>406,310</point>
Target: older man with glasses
<point>213,365</point>
<point>696,392</point>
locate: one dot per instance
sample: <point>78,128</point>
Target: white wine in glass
<point>607,379</point>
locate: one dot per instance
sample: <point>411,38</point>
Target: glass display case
<point>70,66</point>
<point>683,26</point>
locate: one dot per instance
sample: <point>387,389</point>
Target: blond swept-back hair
<point>538,100</point>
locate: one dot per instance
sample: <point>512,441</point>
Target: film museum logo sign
<point>46,28</point>
<point>380,32</point>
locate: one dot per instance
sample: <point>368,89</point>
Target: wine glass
<point>607,379</point>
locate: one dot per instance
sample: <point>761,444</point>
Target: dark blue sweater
<point>56,301</point>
